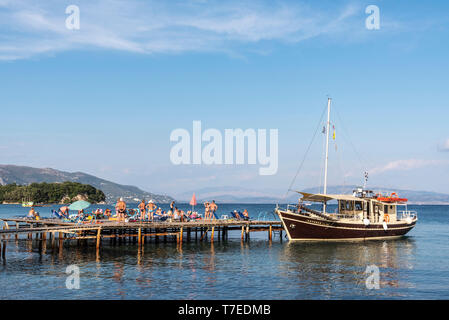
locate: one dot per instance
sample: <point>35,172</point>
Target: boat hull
<point>304,228</point>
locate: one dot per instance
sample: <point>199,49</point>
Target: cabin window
<point>386,209</point>
<point>358,206</point>
<point>342,206</point>
<point>349,206</point>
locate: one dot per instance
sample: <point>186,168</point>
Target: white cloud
<point>401,165</point>
<point>31,28</point>
<point>444,146</point>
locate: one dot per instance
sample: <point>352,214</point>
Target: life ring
<point>394,195</point>
<point>386,217</point>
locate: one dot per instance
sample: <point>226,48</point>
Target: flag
<point>333,135</point>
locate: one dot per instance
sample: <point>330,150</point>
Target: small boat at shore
<point>364,215</point>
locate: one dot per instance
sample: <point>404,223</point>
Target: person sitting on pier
<point>121,209</point>
<point>107,212</point>
<point>32,213</point>
<point>245,214</point>
<point>64,211</point>
<point>177,214</point>
<point>236,215</point>
<point>141,207</point>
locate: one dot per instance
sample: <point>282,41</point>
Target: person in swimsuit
<point>206,210</point>
<point>121,209</point>
<point>31,213</point>
<point>64,211</point>
<point>151,206</point>
<point>245,214</point>
<point>213,207</point>
<point>141,207</point>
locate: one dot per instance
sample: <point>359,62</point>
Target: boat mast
<point>327,149</point>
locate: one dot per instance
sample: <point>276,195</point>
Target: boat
<point>362,215</point>
<point>27,204</point>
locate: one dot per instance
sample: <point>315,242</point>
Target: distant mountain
<point>230,195</point>
<point>245,195</point>
<point>26,175</point>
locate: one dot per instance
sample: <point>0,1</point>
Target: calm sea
<point>415,267</point>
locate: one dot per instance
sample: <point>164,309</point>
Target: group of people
<point>209,210</point>
<point>33,214</point>
<point>147,211</point>
<point>241,215</point>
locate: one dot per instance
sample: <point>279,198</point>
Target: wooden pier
<point>55,230</point>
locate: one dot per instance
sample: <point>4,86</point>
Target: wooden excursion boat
<point>363,215</point>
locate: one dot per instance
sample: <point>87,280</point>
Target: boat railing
<point>407,214</point>
<point>345,216</point>
<point>292,207</point>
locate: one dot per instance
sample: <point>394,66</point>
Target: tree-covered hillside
<point>50,192</point>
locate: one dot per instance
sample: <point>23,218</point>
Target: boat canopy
<point>327,197</point>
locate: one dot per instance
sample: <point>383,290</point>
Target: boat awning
<point>327,197</point>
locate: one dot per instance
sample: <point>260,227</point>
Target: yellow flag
<point>333,135</point>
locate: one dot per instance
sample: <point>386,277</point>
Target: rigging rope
<point>305,155</point>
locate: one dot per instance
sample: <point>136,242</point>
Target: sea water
<point>413,267</point>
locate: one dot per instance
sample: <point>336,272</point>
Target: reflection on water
<point>412,267</point>
<point>341,266</point>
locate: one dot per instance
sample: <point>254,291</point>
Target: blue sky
<point>104,99</point>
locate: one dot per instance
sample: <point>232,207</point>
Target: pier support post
<point>247,232</point>
<point>243,232</point>
<point>212,235</point>
<point>180,234</point>
<point>270,233</point>
<point>139,237</point>
<point>4,250</point>
<point>98,238</point>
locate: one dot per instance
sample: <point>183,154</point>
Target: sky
<point>103,99</point>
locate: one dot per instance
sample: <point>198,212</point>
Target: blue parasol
<point>79,205</point>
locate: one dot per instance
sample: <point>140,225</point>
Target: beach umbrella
<point>79,205</point>
<point>193,202</point>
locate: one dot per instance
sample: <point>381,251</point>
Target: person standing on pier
<point>213,208</point>
<point>141,207</point>
<point>151,206</point>
<point>206,210</point>
<point>120,207</point>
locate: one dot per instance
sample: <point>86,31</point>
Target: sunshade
<point>193,201</point>
<point>327,197</point>
<point>79,205</point>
